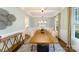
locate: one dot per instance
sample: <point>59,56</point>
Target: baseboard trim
<point>64,45</point>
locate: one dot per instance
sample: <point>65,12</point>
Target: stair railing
<point>11,43</point>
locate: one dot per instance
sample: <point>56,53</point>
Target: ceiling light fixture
<point>42,10</point>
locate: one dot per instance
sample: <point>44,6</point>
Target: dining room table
<point>43,37</point>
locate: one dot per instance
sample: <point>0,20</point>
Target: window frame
<point>74,21</point>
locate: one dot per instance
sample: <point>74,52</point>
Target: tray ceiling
<point>47,11</point>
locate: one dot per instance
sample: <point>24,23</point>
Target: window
<point>76,22</point>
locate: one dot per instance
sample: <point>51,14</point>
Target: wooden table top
<point>43,36</point>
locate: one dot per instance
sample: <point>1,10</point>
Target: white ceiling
<point>37,11</point>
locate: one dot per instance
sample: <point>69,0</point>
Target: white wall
<point>34,22</point>
<point>19,24</point>
<point>64,25</point>
<point>27,21</point>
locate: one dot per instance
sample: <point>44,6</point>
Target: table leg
<point>53,47</point>
<point>31,48</point>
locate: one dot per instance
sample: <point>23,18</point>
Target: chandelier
<point>42,22</point>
